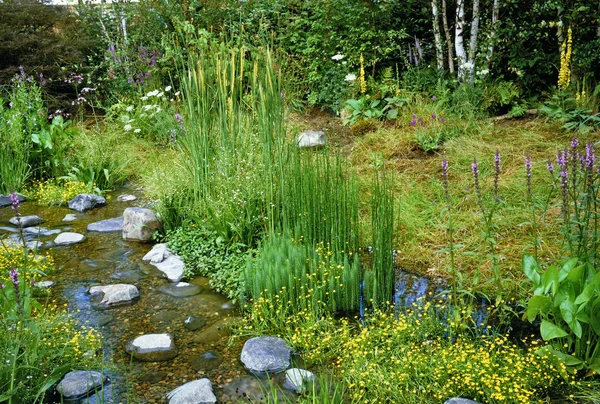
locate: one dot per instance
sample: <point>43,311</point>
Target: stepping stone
<point>69,217</point>
<point>107,226</point>
<point>126,198</point>
<point>459,400</point>
<point>166,262</point>
<point>84,202</point>
<point>180,289</point>
<point>298,379</point>
<point>215,332</point>
<point>34,245</point>
<point>193,323</point>
<point>116,294</point>
<point>152,348</point>
<point>27,221</point>
<point>41,231</point>
<point>311,139</point>
<point>266,354</point>
<point>194,392</point>
<point>139,224</point>
<point>79,383</point>
<point>6,201</point>
<point>45,284</point>
<point>207,361</point>
<point>9,229</point>
<point>69,238</point>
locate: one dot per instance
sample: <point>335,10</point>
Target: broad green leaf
<point>550,280</point>
<point>531,269</point>
<point>550,331</point>
<point>537,305</point>
<point>575,276</point>
<point>566,269</point>
<point>567,359</point>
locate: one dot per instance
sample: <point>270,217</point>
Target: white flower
<point>484,72</point>
<point>167,89</point>
<point>137,130</point>
<point>177,93</point>
<point>337,57</point>
<point>127,127</point>
<point>152,93</point>
<point>467,66</point>
<point>129,108</point>
<point>350,77</point>
<point>160,94</point>
<point>144,98</point>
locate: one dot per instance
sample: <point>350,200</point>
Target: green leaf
<point>566,269</point>
<point>567,359</point>
<point>537,305</point>
<point>550,331</point>
<point>550,280</point>
<point>392,113</point>
<point>531,269</point>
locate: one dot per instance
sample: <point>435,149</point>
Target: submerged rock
<point>459,400</point>
<point>116,294</point>
<point>266,354</point>
<point>180,289</point>
<point>193,323</point>
<point>194,392</point>
<point>106,226</point>
<point>207,361</point>
<point>27,221</point>
<point>139,224</point>
<point>84,202</point>
<point>69,217</point>
<point>298,379</point>
<point>152,348</point>
<point>311,138</point>
<point>166,262</point>
<point>41,231</point>
<point>69,238</point>
<point>126,198</point>
<point>79,383</point>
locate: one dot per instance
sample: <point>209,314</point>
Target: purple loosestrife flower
<point>414,116</point>
<point>562,158</point>
<point>433,116</point>
<point>442,120</point>
<point>16,204</point>
<point>528,171</point>
<point>496,173</point>
<point>589,156</point>
<point>413,122</point>
<point>14,276</point>
<point>564,175</point>
<point>433,98</point>
<point>550,167</point>
<point>475,170</point>
<point>180,120</point>
<point>2,286</point>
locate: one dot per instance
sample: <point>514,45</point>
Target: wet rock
<point>6,201</point>
<point>127,276</point>
<point>219,330</point>
<point>69,238</point>
<point>458,400</point>
<point>27,221</point>
<point>193,323</point>
<point>116,294</point>
<point>106,226</point>
<point>311,138</point>
<point>251,389</point>
<point>34,245</point>
<point>9,229</point>
<point>165,261</point>
<point>152,348</point>
<point>298,379</point>
<point>45,284</point>
<point>194,392</point>
<point>126,198</point>
<point>69,217</point>
<point>139,224</point>
<point>180,289</point>
<point>84,202</point>
<point>166,316</point>
<point>207,361</point>
<point>40,231</point>
<point>265,354</point>
<point>152,377</point>
<point>79,383</point>
<point>103,319</point>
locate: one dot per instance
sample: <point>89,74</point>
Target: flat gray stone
<point>193,323</point>
<point>69,238</point>
<point>139,224</point>
<point>298,379</point>
<point>266,354</point>
<point>69,217</point>
<point>152,348</point>
<point>180,289</point>
<point>194,392</point>
<point>126,198</point>
<point>84,202</point>
<point>79,383</point>
<point>116,294</point>
<point>45,284</point>
<point>6,201</point>
<point>165,261</point>
<point>207,361</point>
<point>107,226</point>
<point>27,221</point>
<point>459,400</point>
<point>311,139</point>
<point>41,231</point>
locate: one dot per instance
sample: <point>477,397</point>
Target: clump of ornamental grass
<point>58,191</point>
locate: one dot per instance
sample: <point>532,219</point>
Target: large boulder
<point>83,202</point>
<point>311,139</point>
<point>79,383</point>
<point>139,224</point>
<point>194,392</point>
<point>152,348</point>
<point>116,294</point>
<point>26,221</point>
<point>106,226</point>
<point>166,262</point>
<point>68,238</point>
<point>266,354</point>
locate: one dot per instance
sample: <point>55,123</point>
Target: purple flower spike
<point>574,142</point>
<point>414,116</point>
<point>14,276</point>
<point>589,156</point>
<point>442,120</point>
<point>433,116</point>
<point>550,167</point>
<point>16,204</point>
<point>413,122</point>
<point>445,177</point>
<point>433,98</point>
<point>475,168</point>
<point>496,173</point>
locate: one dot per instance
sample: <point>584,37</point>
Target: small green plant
<point>568,110</point>
<point>51,146</point>
<point>431,133</point>
<point>363,108</point>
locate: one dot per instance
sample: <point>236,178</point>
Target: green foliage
<point>568,111</point>
<point>51,146</point>
<point>205,253</point>
<point>57,192</point>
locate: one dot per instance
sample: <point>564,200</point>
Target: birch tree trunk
<point>559,33</point>
<point>461,55</point>
<point>439,52</point>
<point>473,41</point>
<point>490,53</point>
<point>448,38</point>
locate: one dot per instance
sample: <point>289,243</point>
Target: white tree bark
<point>559,33</point>
<point>461,55</point>
<point>490,53</point>
<point>473,41</point>
<point>448,38</point>
<point>439,52</point>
